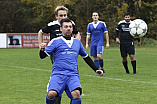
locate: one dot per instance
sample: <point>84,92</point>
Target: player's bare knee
<point>99,56</point>
<point>52,94</point>
<point>75,94</point>
<point>132,57</point>
<point>124,59</point>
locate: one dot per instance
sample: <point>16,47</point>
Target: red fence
<point>22,40</point>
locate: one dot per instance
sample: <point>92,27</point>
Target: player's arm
<point>42,54</point>
<point>90,62</point>
<point>107,40</point>
<point>117,33</point>
<point>40,37</point>
<point>87,40</point>
<point>47,29</point>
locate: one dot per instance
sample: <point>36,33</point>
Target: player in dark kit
<point>126,42</point>
<point>65,72</point>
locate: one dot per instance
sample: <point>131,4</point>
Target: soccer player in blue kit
<point>126,42</point>
<point>65,72</point>
<point>96,30</point>
<point>53,28</point>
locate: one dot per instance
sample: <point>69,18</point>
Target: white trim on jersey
<point>53,40</point>
<point>46,53</point>
<point>53,23</point>
<point>68,42</point>
<point>95,24</point>
<point>123,21</point>
<point>84,56</point>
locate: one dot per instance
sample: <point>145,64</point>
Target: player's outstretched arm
<point>89,61</point>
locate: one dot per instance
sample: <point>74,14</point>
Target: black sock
<point>101,65</point>
<point>125,64</point>
<point>134,66</point>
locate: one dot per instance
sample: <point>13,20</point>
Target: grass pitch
<point>24,77</point>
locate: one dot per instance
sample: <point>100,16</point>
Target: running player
<point>96,30</point>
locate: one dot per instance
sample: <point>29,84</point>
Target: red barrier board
<point>25,39</point>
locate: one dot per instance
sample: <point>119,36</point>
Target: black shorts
<point>127,48</point>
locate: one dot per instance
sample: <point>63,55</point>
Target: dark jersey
<point>123,28</point>
<point>54,29</point>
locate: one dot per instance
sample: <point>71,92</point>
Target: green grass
<point>24,77</point>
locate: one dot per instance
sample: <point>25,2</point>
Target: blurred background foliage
<point>28,16</point>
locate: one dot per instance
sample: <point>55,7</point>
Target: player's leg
<point>96,62</point>
<point>133,62</point>
<point>99,56</point>
<point>69,94</point>
<point>124,57</point>
<point>131,52</point>
<point>55,88</point>
<point>74,87</point>
<point>58,99</point>
<point>125,64</point>
<point>93,52</point>
<point>76,97</point>
<point>50,98</point>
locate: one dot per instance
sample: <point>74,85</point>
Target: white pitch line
<point>20,67</point>
<point>119,79</point>
<point>143,82</point>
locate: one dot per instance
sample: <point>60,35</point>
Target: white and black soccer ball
<point>138,28</point>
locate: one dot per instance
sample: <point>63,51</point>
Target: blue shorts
<point>60,83</point>
<point>94,50</point>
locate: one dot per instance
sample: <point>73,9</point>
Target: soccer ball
<point>138,28</point>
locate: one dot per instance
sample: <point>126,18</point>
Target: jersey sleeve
<point>88,29</point>
<point>50,47</point>
<point>105,27</point>
<point>47,29</point>
<point>117,30</point>
<point>82,52</point>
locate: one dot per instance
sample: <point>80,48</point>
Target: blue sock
<point>97,63</point>
<point>49,101</point>
<point>76,101</point>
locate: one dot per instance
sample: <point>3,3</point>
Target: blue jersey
<point>96,31</point>
<point>65,55</point>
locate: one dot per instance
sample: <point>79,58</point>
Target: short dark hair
<point>127,13</point>
<point>65,20</point>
